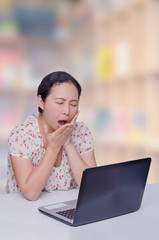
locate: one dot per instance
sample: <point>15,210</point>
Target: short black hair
<point>55,78</point>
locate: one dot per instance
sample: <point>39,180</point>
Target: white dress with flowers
<point>26,141</point>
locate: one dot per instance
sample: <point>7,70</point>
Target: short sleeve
<point>87,143</point>
<point>17,144</point>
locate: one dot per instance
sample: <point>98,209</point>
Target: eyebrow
<point>60,98</point>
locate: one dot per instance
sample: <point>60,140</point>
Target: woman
<point>50,151</point>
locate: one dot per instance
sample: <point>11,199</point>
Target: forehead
<point>64,90</point>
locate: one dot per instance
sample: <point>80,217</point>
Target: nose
<point>66,109</point>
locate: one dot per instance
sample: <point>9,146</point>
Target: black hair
<point>55,78</point>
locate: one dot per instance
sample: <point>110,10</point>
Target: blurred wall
<point>110,47</point>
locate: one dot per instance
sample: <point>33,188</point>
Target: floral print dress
<point>26,141</point>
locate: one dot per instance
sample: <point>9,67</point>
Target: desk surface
<point>20,219</point>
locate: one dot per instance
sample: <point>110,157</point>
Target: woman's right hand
<point>58,138</point>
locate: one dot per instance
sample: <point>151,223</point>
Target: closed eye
<point>59,102</point>
<point>74,105</point>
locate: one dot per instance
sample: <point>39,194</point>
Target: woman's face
<point>60,106</point>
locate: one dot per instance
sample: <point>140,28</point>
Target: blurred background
<point>110,46</point>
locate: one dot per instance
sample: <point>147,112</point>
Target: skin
<point>60,105</point>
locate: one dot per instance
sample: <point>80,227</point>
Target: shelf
<point>129,38</point>
<point>151,146</point>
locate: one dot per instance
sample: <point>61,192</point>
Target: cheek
<point>51,111</point>
<point>74,111</point>
<point>51,108</point>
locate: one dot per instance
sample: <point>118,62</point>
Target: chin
<point>53,128</point>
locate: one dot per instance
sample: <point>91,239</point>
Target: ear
<point>40,102</point>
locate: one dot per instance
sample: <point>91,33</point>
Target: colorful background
<point>110,47</point>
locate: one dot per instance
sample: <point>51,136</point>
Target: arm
<point>79,163</point>
<point>32,180</point>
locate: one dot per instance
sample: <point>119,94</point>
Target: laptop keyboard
<point>68,213</point>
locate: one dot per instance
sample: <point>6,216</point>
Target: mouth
<point>62,122</point>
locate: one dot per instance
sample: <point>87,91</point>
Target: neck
<point>42,122</point>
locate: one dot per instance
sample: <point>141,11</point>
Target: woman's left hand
<point>71,123</point>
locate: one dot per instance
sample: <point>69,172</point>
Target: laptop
<point>105,192</point>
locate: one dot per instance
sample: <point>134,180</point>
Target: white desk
<point>20,219</point>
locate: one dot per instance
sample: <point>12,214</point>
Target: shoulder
<point>82,138</point>
<point>28,125</point>
<point>30,122</point>
<point>81,127</point>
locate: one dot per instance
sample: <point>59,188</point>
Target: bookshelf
<point>36,39</point>
<point>115,56</point>
<point>128,93</point>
